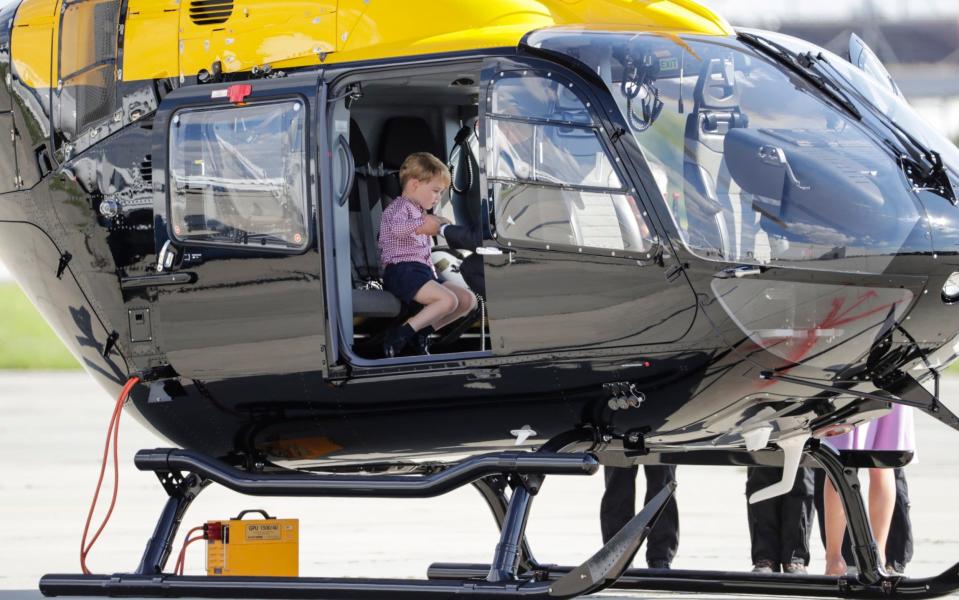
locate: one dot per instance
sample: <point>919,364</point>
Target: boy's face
<point>425,194</point>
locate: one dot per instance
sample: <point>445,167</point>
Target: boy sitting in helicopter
<point>404,243</point>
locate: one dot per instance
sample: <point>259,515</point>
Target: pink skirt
<point>893,431</point>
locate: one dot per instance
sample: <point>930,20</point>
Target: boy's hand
<point>431,225</point>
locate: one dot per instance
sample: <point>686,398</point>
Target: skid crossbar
<point>357,486</point>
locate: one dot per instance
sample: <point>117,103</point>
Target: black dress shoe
<point>396,340</point>
<point>421,341</point>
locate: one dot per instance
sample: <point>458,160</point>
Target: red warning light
<point>238,93</point>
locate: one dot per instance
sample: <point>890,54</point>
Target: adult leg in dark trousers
<point>899,542</point>
<point>779,528</point>
<point>619,506</point>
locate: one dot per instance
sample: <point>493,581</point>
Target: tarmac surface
<point>52,432</point>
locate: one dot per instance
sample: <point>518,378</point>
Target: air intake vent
<point>210,12</point>
<point>146,170</point>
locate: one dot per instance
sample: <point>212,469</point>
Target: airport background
<point>51,455</point>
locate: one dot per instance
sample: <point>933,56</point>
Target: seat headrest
<point>403,136</point>
<point>358,146</point>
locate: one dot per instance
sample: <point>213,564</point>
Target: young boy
<point>405,233</point>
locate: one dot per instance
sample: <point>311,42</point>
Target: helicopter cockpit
<point>760,169</point>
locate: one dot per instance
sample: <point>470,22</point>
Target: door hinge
<point>65,259</point>
<point>339,372</point>
<point>110,343</point>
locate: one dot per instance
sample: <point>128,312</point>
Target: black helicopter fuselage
<point>242,351</point>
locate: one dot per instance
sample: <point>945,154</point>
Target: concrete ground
<point>52,431</point>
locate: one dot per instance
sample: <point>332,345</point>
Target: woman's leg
<point>437,300</point>
<point>835,519</point>
<point>466,300</point>
<point>882,501</point>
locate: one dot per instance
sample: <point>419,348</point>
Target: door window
<point>553,181</point>
<point>238,176</point>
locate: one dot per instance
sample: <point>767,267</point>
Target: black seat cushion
<point>375,303</point>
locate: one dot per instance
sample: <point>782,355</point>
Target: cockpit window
<point>542,98</point>
<point>755,165</point>
<point>238,176</point>
<point>553,181</point>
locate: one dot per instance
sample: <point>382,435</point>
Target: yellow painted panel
<point>378,28</point>
<point>288,33</point>
<point>259,33</point>
<point>151,40</point>
<point>32,42</point>
<point>35,12</point>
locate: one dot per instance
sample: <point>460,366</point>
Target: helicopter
<point>690,245</point>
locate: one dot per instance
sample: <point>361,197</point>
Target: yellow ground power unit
<point>267,547</point>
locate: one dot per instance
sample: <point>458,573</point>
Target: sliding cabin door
<point>239,282</point>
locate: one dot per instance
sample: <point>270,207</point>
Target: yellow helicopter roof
<point>386,29</point>
<point>178,38</point>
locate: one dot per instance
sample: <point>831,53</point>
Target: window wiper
<point>923,166</point>
<point>803,65</point>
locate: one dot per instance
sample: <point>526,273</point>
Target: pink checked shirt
<point>398,240</point>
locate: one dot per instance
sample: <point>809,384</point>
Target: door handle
<point>180,277</point>
<point>493,251</point>
<point>496,251</point>
<point>739,272</point>
<point>166,256</point>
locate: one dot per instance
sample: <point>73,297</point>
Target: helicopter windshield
<point>881,95</point>
<point>755,164</point>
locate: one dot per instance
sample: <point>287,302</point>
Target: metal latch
<point>166,256</point>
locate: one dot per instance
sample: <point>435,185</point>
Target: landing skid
<point>872,581</point>
<point>513,572</point>
<point>722,582</point>
<point>524,472</point>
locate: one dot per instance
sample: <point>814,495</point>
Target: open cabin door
<point>240,288</point>
<point>575,261</point>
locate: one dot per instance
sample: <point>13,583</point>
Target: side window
<point>238,176</point>
<point>553,182</point>
<point>88,57</point>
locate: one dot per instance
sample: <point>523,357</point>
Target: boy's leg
<point>466,303</point>
<point>437,300</point>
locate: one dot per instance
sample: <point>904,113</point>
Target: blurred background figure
<point>779,528</point>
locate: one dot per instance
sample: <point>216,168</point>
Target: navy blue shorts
<point>404,279</point>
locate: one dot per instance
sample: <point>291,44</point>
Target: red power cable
<point>113,431</point>
<point>187,540</point>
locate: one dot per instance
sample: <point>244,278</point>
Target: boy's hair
<point>423,166</point>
